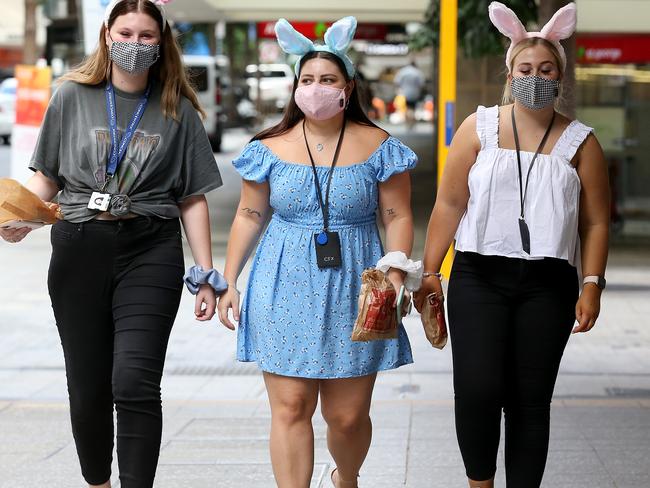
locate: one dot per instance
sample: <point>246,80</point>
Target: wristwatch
<point>598,280</point>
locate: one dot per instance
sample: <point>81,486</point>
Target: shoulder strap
<point>480,125</point>
<point>492,127</point>
<point>571,140</point>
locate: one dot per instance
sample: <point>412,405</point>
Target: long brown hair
<point>168,70</point>
<point>292,113</point>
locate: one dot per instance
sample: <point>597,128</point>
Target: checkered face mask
<point>534,92</point>
<point>134,57</point>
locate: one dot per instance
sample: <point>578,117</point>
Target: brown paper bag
<point>433,320</point>
<point>19,207</point>
<point>376,318</point>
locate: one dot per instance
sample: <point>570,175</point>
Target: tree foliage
<point>476,34</point>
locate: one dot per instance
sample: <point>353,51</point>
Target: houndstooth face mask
<point>134,57</point>
<point>534,92</point>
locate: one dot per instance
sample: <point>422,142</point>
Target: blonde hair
<point>168,70</point>
<point>525,44</point>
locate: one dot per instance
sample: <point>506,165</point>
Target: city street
<point>216,412</point>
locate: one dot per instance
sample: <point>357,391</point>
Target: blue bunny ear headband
<point>337,41</point>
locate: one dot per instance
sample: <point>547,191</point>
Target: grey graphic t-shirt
<point>166,161</point>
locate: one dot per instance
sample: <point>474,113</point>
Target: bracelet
<point>196,276</point>
<point>428,274</point>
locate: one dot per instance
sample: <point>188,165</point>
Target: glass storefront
<point>614,98</point>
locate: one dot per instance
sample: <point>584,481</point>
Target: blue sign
<point>449,122</point>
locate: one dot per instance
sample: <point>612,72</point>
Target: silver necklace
<point>320,146</point>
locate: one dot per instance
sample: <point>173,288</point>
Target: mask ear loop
<point>109,65</point>
<point>347,97</point>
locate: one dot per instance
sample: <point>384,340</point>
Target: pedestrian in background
<point>525,193</point>
<point>410,81</point>
<point>320,176</point>
<point>123,147</point>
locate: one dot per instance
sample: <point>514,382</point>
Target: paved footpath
<point>217,417</point>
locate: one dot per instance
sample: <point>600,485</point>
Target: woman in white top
<point>525,193</point>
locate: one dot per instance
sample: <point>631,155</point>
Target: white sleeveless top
<point>490,223</point>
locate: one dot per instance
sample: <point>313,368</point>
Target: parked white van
<point>207,75</point>
<point>276,84</point>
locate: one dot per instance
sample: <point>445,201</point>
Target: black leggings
<point>115,288</point>
<point>509,320</point>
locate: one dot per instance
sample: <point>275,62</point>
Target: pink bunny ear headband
<point>157,3</point>
<point>561,26</point>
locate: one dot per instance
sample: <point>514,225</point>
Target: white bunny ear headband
<point>157,3</point>
<point>337,41</point>
<point>561,26</point>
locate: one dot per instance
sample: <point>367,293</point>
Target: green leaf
<point>477,36</point>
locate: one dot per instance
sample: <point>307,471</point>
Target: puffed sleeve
<point>393,157</point>
<point>200,171</point>
<point>46,153</point>
<point>254,163</point>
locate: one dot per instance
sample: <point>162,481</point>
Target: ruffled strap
<point>487,126</point>
<point>480,125</point>
<point>492,127</point>
<point>393,157</point>
<point>571,140</point>
<point>254,163</point>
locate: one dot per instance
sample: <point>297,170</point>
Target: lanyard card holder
<point>525,235</point>
<point>327,244</point>
<point>328,251</point>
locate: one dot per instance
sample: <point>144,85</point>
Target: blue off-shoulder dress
<point>297,319</point>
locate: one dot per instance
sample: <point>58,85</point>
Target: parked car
<point>276,84</point>
<point>7,108</point>
<point>208,75</point>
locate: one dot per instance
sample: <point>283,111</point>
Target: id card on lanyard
<point>101,200</point>
<point>327,243</point>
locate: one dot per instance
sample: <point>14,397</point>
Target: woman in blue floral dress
<point>297,315</point>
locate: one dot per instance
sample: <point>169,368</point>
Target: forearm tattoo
<point>390,211</point>
<point>251,211</point>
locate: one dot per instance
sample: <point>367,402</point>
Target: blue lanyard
<point>118,147</point>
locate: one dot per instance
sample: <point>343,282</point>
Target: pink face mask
<point>320,102</point>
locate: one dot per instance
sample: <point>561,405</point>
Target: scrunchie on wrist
<point>196,276</point>
<point>398,260</point>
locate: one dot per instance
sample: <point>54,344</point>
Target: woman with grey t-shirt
<point>124,149</point>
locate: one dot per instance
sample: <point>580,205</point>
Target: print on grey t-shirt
<point>137,154</point>
<point>166,162</point>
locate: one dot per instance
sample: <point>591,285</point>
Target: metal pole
<point>447,93</point>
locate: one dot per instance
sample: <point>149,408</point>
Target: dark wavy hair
<point>292,113</point>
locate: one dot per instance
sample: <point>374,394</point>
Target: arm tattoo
<point>390,211</point>
<point>251,211</point>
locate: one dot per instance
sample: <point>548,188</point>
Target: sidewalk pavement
<point>217,417</point>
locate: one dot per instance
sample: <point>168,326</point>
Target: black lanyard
<point>523,189</point>
<point>324,206</point>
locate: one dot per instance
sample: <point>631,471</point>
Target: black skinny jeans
<point>509,320</point>
<point>115,288</point>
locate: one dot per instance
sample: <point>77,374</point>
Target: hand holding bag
<point>19,207</point>
<point>376,319</point>
<point>433,320</point>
